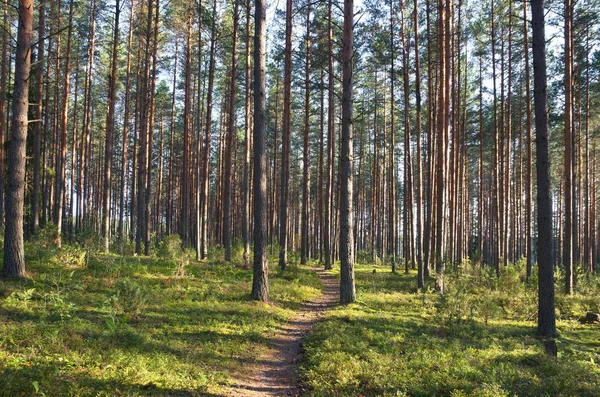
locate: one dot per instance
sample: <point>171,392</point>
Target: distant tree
<point>38,126</point>
<point>285,139</point>
<point>110,129</point>
<point>230,139</point>
<point>61,159</point>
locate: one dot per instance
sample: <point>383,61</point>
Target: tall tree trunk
<point>408,177</point>
<point>528,196</point>
<point>186,175</point>
<point>569,237</point>
<point>145,133</point>
<point>546,315</point>
<point>39,99</point>
<point>124,158</point>
<point>418,173</point>
<point>347,288</point>
<point>329,196</point>
<point>285,140</point>
<point>246,211</point>
<point>442,130</point>
<point>230,139</point>
<point>151,119</point>
<point>84,162</point>
<point>61,174</point>
<point>260,284</point>
<point>204,193</point>
<point>110,128</point>
<point>14,252</point>
<point>304,247</point>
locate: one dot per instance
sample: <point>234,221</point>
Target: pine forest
<point>316,198</point>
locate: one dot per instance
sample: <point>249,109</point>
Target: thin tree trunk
<point>568,239</point>
<point>110,128</point>
<point>230,140</point>
<point>61,174</point>
<point>528,196</point>
<point>304,246</point>
<point>40,70</point>
<point>204,196</point>
<point>187,111</point>
<point>246,212</point>
<point>124,159</point>
<point>285,140</point>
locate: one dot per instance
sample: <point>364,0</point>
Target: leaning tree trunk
<point>14,252</point>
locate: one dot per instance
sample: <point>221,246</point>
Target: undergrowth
<point>85,323</point>
<point>478,339</point>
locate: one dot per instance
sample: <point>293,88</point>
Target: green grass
<point>477,340</point>
<point>105,325</point>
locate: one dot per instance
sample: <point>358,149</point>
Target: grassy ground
<point>106,325</point>
<point>477,340</point>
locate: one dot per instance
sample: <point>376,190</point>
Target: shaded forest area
<point>242,142</point>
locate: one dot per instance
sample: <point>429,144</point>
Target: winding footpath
<point>276,372</point>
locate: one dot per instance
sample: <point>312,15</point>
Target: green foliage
<point>170,249</point>
<point>476,340</point>
<point>130,325</point>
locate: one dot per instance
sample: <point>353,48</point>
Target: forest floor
<point>275,373</point>
<point>84,323</point>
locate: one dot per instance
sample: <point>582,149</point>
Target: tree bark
<point>110,128</point>
<point>37,144</point>
<point>260,284</point>
<point>14,252</point>
<point>285,139</point>
<point>347,288</point>
<point>124,158</point>
<point>546,314</point>
<point>246,210</point>
<point>568,235</point>
<point>61,174</point>
<point>230,140</point>
<point>528,196</point>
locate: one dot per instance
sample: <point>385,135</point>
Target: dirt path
<point>276,373</point>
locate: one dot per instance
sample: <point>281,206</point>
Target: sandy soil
<point>276,372</point>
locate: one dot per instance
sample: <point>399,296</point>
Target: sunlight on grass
<point>477,340</point>
<point>104,325</point>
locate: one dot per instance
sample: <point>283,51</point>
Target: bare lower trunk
<point>14,253</point>
<point>260,285</point>
<point>546,315</point>
<point>347,288</point>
